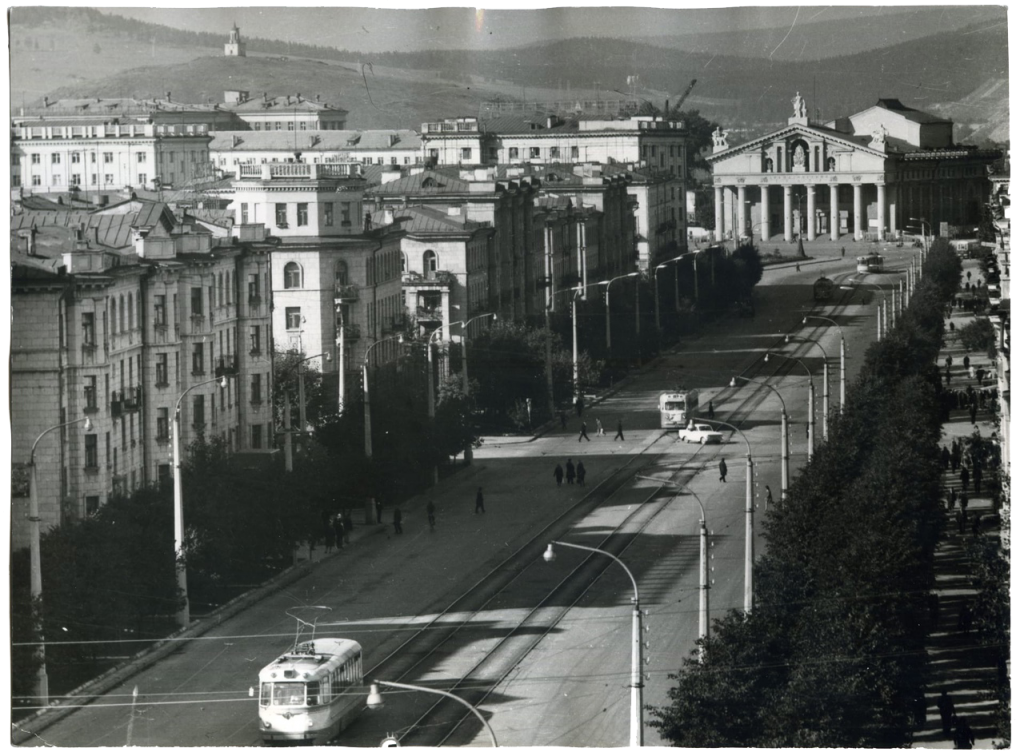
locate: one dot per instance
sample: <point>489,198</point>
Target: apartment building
<point>394,147</point>
<point>284,113</point>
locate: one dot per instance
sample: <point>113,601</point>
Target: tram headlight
<point>266,725</point>
<point>309,723</point>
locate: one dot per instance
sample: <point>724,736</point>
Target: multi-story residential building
<point>336,275</point>
<point>867,175</point>
<point>118,335</point>
<point>285,113</point>
<point>504,204</point>
<point>229,149</point>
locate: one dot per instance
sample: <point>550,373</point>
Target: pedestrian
<point>561,416</point>
<point>579,406</point>
<point>430,515</point>
<point>946,708</point>
<point>339,531</point>
<point>380,509</point>
<point>583,432</point>
<point>977,481</point>
<point>558,475</point>
<point>949,360</point>
<point>965,477</point>
<point>966,618</point>
<point>479,500</point>
<point>328,538</point>
<point>722,471</point>
<point>619,435</point>
<point>981,376</point>
<point>968,275</point>
<point>963,736</point>
<point>951,499</point>
<point>949,376</point>
<point>581,473</point>
<point>397,521</point>
<point>952,327</point>
<point>945,458</point>
<point>963,499</point>
<point>961,520</point>
<point>976,524</point>
<point>711,409</point>
<point>346,520</point>
<point>769,499</point>
<point>842,251</point>
<point>570,472</point>
<point>600,428</point>
<point>967,361</point>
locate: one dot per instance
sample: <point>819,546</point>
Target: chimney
<point>389,215</point>
<point>235,140</point>
<point>318,98</point>
<point>168,95</point>
<point>46,102</point>
<point>367,222</point>
<point>298,97</point>
<point>313,140</point>
<point>264,97</point>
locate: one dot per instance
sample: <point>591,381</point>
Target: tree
<point>979,336</point>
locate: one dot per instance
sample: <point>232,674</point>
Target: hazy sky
<point>365,29</point>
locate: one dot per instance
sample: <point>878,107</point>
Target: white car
<point>700,433</point>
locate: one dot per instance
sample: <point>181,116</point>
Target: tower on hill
<point>235,47</point>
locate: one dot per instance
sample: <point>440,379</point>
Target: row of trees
<point>832,655</point>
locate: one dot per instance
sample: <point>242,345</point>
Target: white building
<point>285,113</point>
<point>229,149</point>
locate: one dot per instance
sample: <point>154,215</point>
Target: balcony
<point>226,366</point>
<point>346,293</point>
<point>122,402</point>
<point>352,332</point>
<point>433,314</point>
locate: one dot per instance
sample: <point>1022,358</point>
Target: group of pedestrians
<point>337,529</point>
<point>619,436</point>
<point>572,473</point>
<point>954,725</point>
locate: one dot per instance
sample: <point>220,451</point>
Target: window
<point>90,392</point>
<point>293,318</point>
<point>37,181</point>
<point>88,329</point>
<point>131,313</point>
<point>257,443</point>
<point>76,179</point>
<point>467,153</point>
<point>346,214</point>
<point>76,157</point>
<point>245,212</point>
<point>292,276</point>
<point>160,310</point>
<point>429,264</point>
<point>535,152</point>
<point>142,179</point>
<point>553,153</point>
<point>140,157</point>
<point>162,424</point>
<point>108,157</point>
<point>432,152</point>
<point>303,214</point>
<point>108,178</point>
<point>91,452</point>
<point>198,412</point>
<point>197,359</point>
<point>92,179</point>
<point>92,505</point>
<point>255,393</point>
<point>161,369</point>
<point>55,179</point>
<point>574,152</point>
<point>254,339</point>
<point>254,286</point>
<point>55,158</point>
<point>197,301</point>
<point>329,214</point>
<point>281,215</point>
<point>35,158</point>
<point>291,126</point>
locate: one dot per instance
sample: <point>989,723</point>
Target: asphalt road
<point>572,689</point>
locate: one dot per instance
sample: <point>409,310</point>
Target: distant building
<point>397,147</point>
<point>114,317</point>
<point>235,47</point>
<point>285,113</point>
<point>869,175</point>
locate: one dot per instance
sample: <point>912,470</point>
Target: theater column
<point>741,212</point>
<point>811,211</point>
<point>833,212</point>
<point>787,212</point>
<point>881,210</point>
<point>858,221</point>
<point>719,213</point>
<point>766,230</point>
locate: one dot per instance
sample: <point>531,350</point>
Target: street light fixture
<point>810,399</point>
<point>302,407</point>
<point>842,357</point>
<point>375,701</point>
<point>465,356</point>
<point>924,223</point>
<point>785,429</point>
<point>367,436</point>
<point>657,297</point>
<point>636,723</point>
<point>182,615</point>
<point>881,318</point>
<point>41,686</point>
<point>608,308</point>
<point>825,382</point>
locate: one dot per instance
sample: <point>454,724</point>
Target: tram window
<point>288,694</point>
<point>312,693</point>
<point>265,694</point>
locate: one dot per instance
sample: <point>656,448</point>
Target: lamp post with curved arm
<point>881,314</point>
<point>748,562</point>
<point>41,685</point>
<point>810,399</point>
<point>302,408</point>
<point>367,434</point>
<point>924,223</point>
<point>374,701</point>
<point>465,354</point>
<point>657,297</point>
<point>842,357</point>
<point>636,722</point>
<point>182,615</point>
<point>608,308</point>
<point>785,430</point>
<point>824,382</point>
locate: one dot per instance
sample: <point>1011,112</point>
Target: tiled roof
<point>418,219</point>
<point>112,230</point>
<point>526,123</point>
<point>285,103</point>
<point>425,183</point>
<point>327,141</point>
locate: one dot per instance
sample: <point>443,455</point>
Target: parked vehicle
<point>700,433</point>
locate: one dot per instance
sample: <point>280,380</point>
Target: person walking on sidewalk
<point>619,436</point>
<point>346,520</point>
<point>397,521</point>
<point>711,409</point>
<point>769,500</point>
<point>963,736</point>
<point>945,458</point>
<point>722,471</point>
<point>430,515</point>
<point>965,477</point>
<point>581,473</point>
<point>583,432</point>
<point>570,472</point>
<point>967,361</point>
<point>949,360</point>
<point>600,428</point>
<point>379,506</point>
<point>479,500</point>
<point>945,707</point>
<point>558,475</point>
<point>339,531</point>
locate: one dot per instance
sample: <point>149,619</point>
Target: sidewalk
<point>957,664</point>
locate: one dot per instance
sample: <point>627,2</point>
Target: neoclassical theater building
<point>871,175</point>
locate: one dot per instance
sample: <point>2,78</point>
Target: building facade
<point>872,175</point>
<point>229,149</point>
<point>285,113</point>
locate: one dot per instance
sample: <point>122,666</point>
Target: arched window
<point>769,165</point>
<point>340,273</point>
<point>131,313</point>
<point>429,264</point>
<point>292,276</point>
<point>427,183</point>
<point>831,163</point>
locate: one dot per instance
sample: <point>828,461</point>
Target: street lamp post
<point>748,562</point>
<point>608,308</point>
<point>810,399</point>
<point>302,408</point>
<point>657,297</point>
<point>374,701</point>
<point>842,357</point>
<point>824,383</point>
<point>465,353</point>
<point>785,430</point>
<point>41,686</point>
<point>636,723</point>
<point>182,615</point>
<point>924,223</point>
<point>367,435</point>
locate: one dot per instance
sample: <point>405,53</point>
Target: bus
<point>870,263</point>
<point>311,693</point>
<point>678,407</point>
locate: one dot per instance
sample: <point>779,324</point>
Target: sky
<point>378,30</point>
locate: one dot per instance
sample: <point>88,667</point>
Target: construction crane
<point>681,100</point>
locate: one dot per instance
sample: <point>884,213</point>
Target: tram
<point>677,407</point>
<point>309,694</point>
<point>870,263</point>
